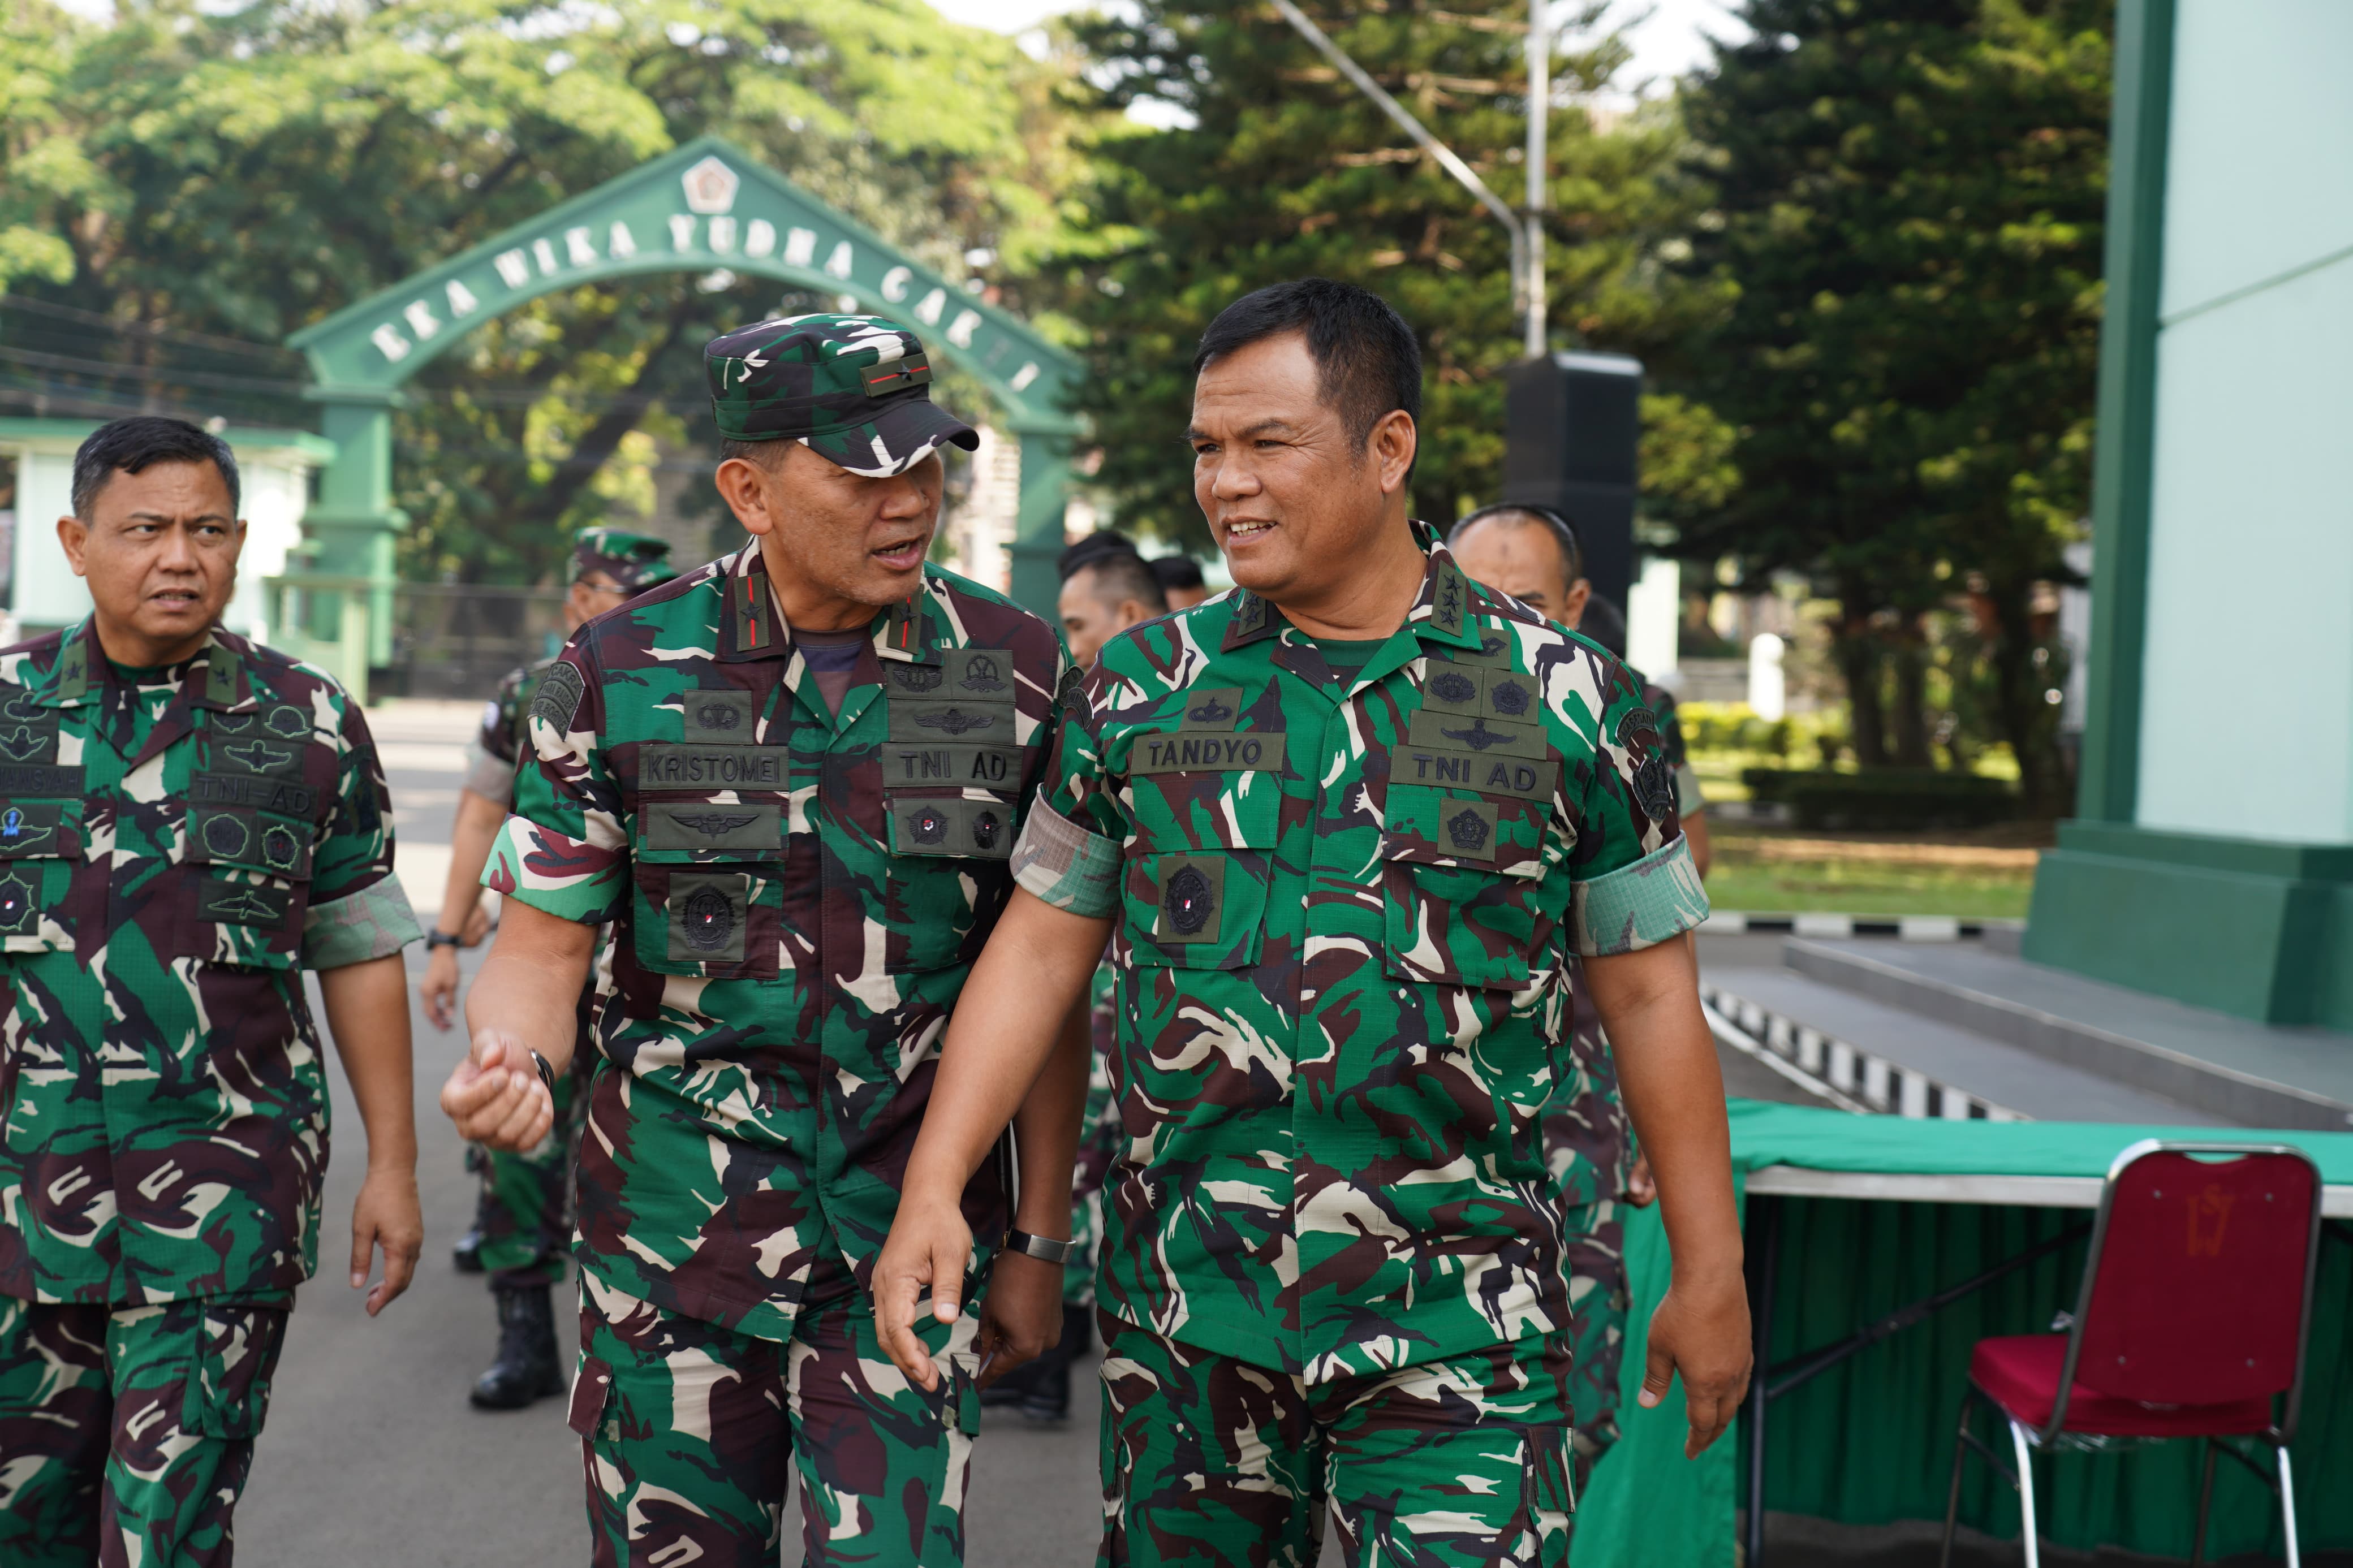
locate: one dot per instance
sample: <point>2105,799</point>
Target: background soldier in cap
<point>792,780</point>
<point>522,1220</point>
<point>190,822</point>
<point>1533,553</point>
<point>1344,826</point>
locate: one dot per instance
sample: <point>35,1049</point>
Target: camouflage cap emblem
<point>955,720</point>
<point>1478,737</point>
<point>980,675</point>
<point>1452,686</point>
<point>1468,830</point>
<point>852,389</point>
<point>1510,697</point>
<point>1188,902</point>
<point>985,829</point>
<point>709,919</point>
<point>930,826</point>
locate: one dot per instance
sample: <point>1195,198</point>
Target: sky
<point>1670,39</point>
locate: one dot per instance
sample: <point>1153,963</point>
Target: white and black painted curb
<point>1904,928</point>
<point>1845,1075</point>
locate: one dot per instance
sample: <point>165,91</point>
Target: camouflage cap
<point>635,562</point>
<point>850,388</point>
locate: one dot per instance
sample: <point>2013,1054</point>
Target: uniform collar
<point>217,677</point>
<point>753,626</point>
<point>1441,612</point>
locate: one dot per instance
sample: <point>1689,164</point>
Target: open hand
<point>495,1096</point>
<point>386,1216</point>
<point>1701,1330</point>
<point>927,1246</point>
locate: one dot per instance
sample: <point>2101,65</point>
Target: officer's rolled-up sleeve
<point>1632,883</point>
<point>1070,849</point>
<point>357,910</point>
<point>563,850</point>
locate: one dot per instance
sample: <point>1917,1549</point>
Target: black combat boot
<point>526,1368</point>
<point>468,1254</point>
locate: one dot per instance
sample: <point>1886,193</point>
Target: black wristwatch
<point>546,1072</point>
<point>1037,1246</point>
<point>434,938</point>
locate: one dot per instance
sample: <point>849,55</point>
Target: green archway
<point>705,205</point>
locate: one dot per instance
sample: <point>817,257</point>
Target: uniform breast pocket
<point>1196,874</point>
<point>40,845</point>
<point>708,899</point>
<point>1461,875</point>
<point>949,875</point>
<point>249,885</point>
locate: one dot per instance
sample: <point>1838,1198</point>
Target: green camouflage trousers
<point>1210,1460</point>
<point>526,1208</point>
<point>126,1433</point>
<point>1588,1145</point>
<point>690,1432</point>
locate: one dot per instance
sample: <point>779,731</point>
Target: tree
<point>1282,169</point>
<point>245,174</point>
<point>1908,197</point>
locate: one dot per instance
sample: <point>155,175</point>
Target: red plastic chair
<point>2195,1303</point>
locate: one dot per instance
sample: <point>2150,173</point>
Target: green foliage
<point>1287,171</point>
<point>1908,206</point>
<point>245,174</point>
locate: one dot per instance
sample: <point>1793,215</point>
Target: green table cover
<point>1870,1441</point>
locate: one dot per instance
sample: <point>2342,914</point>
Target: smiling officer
<point>792,780</point>
<point>190,822</point>
<point>1344,827</point>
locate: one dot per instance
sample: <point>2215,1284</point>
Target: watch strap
<point>434,938</point>
<point>1038,1246</point>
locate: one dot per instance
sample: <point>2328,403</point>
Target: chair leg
<point>1953,1497</point>
<point>2026,1491</point>
<point>2205,1505</point>
<point>2287,1508</point>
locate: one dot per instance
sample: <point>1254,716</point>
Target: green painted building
<point>2212,859</point>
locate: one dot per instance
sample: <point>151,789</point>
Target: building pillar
<point>1038,529</point>
<point>351,529</point>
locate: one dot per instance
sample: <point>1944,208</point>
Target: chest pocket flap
<point>1194,888</point>
<point>1462,887</point>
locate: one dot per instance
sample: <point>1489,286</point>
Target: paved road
<point>371,1453</point>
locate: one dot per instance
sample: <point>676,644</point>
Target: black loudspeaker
<point>1570,426</point>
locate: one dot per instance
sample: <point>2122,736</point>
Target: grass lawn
<point>1767,871</point>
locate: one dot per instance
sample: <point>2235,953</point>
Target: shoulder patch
<point>1070,694</point>
<point>1654,780</point>
<point>557,701</point>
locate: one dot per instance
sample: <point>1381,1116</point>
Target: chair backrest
<point>2198,1283</point>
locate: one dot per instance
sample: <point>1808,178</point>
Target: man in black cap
<point>792,780</point>
<point>522,1220</point>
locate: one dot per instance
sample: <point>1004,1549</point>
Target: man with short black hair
<point>1344,827</point>
<point>1103,596</point>
<point>191,822</point>
<point>1180,581</point>
<point>792,780</point>
<point>1533,553</point>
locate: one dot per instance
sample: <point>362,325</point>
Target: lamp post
<point>1527,225</point>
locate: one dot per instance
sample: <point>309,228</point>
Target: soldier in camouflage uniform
<point>1344,827</point>
<point>188,823</point>
<point>792,779</point>
<point>1533,553</point>
<point>522,1219</point>
<point>1107,588</point>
